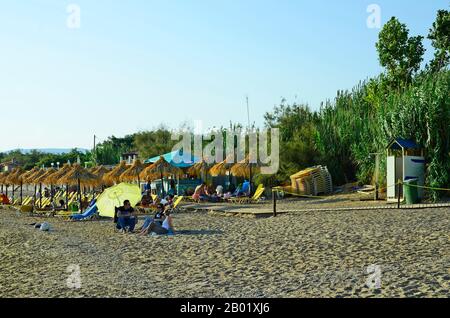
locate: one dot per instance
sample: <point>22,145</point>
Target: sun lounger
<point>256,197</point>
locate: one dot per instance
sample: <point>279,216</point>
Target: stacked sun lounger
<point>312,181</point>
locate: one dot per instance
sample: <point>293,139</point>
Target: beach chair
<point>26,209</point>
<point>176,203</point>
<point>27,200</point>
<point>254,199</point>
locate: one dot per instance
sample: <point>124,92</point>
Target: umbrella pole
<point>67,197</point>
<point>21,193</point>
<point>13,191</point>
<point>40,195</point>
<point>79,194</point>
<point>251,188</point>
<point>35,198</point>
<point>162,185</point>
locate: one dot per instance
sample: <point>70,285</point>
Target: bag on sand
<point>45,227</point>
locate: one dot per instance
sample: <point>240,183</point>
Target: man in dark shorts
<point>126,217</point>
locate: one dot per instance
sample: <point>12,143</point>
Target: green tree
<point>440,39</point>
<point>399,53</point>
<point>153,143</point>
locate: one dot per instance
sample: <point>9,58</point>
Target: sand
<point>312,254</point>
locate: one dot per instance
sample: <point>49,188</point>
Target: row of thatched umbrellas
<point>76,175</point>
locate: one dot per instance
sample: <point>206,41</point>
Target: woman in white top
<point>165,228</point>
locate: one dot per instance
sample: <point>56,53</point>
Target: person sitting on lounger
<point>244,190</point>
<point>146,200</point>
<point>4,199</point>
<point>126,217</point>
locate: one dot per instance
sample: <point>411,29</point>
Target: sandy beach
<point>312,254</point>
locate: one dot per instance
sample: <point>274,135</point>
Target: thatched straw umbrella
<point>15,178</point>
<point>100,173</point>
<point>78,176</point>
<point>159,170</point>
<point>114,175</point>
<point>33,179</point>
<point>133,172</point>
<point>3,178</point>
<point>44,179</point>
<point>223,168</point>
<point>26,175</point>
<point>59,174</point>
<point>200,169</point>
<point>245,169</point>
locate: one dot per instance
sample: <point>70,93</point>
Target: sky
<point>132,65</point>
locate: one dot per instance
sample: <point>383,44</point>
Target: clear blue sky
<point>135,64</point>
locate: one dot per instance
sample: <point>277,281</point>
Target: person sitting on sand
<point>126,217</point>
<point>158,218</point>
<point>161,229</point>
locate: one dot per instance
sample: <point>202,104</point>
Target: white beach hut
<point>405,161</point>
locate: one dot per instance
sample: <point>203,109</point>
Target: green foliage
<point>39,159</point>
<point>400,54</point>
<point>440,39</point>
<point>153,143</point>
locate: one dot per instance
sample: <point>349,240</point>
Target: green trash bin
<point>411,192</point>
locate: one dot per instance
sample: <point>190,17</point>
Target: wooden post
<point>79,196</point>
<point>398,187</point>
<point>67,197</point>
<point>377,173</point>
<point>21,193</point>
<point>274,197</point>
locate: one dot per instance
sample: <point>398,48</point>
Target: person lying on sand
<point>126,217</point>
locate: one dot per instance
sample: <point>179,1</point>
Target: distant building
<point>9,165</point>
<point>129,157</point>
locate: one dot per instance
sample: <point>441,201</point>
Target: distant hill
<point>54,151</point>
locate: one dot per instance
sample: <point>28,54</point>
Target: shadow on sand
<point>199,232</point>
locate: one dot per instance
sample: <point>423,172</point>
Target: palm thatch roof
<point>79,175</point>
<point>28,173</point>
<point>3,177</point>
<point>114,175</point>
<point>199,168</point>
<point>15,176</point>
<point>32,178</point>
<point>221,168</point>
<point>42,178</point>
<point>160,169</point>
<point>100,173</point>
<point>133,172</point>
<point>54,177</point>
<point>244,167</point>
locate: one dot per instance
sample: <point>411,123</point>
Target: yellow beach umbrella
<point>114,196</point>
